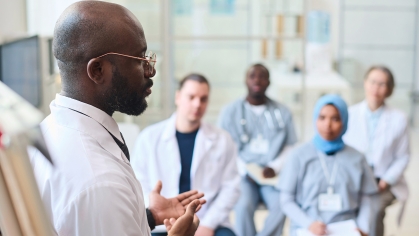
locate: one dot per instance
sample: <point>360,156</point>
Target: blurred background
<point>311,47</point>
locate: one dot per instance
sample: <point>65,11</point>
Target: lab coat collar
<point>66,112</point>
<point>382,122</point>
<point>205,139</point>
<point>98,115</point>
<point>363,124</point>
<point>367,110</point>
<point>170,130</point>
<point>377,112</point>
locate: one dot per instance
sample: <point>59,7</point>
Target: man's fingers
<point>201,202</point>
<point>172,221</point>
<point>167,224</point>
<point>198,208</point>
<point>323,229</point>
<point>191,209</point>
<point>158,187</point>
<point>189,199</point>
<point>195,222</point>
<point>186,195</point>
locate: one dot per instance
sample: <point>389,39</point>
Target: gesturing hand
<point>317,228</point>
<point>362,233</point>
<point>268,172</point>
<point>163,208</point>
<point>186,225</point>
<point>204,231</point>
<point>383,185</point>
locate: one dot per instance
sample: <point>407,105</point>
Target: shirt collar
<point>374,114</point>
<point>170,129</point>
<point>95,113</point>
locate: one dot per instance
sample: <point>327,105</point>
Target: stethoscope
<point>244,137</point>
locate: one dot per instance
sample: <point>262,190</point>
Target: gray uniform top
<point>302,180</point>
<point>275,125</point>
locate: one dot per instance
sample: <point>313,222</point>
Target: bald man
<point>91,189</point>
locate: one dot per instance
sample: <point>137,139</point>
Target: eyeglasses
<point>150,59</point>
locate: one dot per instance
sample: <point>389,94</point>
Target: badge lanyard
<point>329,177</point>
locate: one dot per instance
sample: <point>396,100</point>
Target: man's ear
<point>97,70</point>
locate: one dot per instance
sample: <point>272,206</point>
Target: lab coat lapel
<point>78,121</point>
<point>203,143</point>
<point>172,147</point>
<point>362,135</point>
<point>383,124</point>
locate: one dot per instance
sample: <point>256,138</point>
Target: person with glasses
<point>264,133</point>
<point>381,133</point>
<point>91,188</point>
<point>185,153</point>
<point>325,181</point>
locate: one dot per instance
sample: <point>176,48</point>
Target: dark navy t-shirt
<point>186,142</point>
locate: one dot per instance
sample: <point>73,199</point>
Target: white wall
<point>12,19</point>
<point>416,82</point>
<point>42,15</point>
<point>333,8</point>
<point>382,32</point>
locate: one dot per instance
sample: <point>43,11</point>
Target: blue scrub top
<point>230,120</point>
<point>304,179</point>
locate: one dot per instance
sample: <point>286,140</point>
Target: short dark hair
<point>261,66</point>
<point>390,78</point>
<point>194,77</point>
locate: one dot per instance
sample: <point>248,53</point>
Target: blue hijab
<point>337,144</point>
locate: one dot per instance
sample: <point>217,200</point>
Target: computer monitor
<point>20,68</point>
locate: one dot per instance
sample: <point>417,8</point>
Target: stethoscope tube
<point>244,137</point>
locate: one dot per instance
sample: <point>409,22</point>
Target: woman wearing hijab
<point>325,181</point>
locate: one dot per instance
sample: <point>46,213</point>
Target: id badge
<point>259,145</point>
<point>330,202</point>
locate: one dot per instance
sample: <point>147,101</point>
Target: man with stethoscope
<point>264,132</point>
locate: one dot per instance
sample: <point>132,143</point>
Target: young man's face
<point>257,81</point>
<point>192,100</point>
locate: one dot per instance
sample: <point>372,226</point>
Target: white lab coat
<point>213,171</point>
<point>391,153</point>
<point>91,189</point>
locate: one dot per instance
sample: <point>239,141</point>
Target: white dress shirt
<point>91,189</point>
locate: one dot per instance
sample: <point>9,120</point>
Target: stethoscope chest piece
<point>244,138</point>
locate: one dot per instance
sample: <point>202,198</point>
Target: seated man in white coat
<point>186,153</point>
